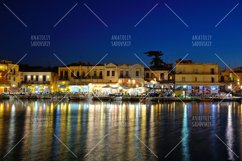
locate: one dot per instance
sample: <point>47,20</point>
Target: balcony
<point>35,82</point>
<point>198,82</point>
<point>63,78</point>
<point>87,77</point>
<point>197,73</point>
<point>124,76</point>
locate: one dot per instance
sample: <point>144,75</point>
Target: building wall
<point>111,73</point>
<point>39,79</point>
<point>158,75</point>
<point>203,74</point>
<point>9,76</point>
<point>231,79</point>
<point>131,75</point>
<point>107,74</point>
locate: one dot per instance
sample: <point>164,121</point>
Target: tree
<point>156,61</point>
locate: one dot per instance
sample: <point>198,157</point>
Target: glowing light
<point>133,81</point>
<point>230,87</point>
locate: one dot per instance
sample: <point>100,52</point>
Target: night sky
<point>81,36</point>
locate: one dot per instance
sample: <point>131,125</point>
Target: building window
<point>127,73</point>
<point>222,78</point>
<point>66,74</point>
<point>113,73</point>
<point>77,74</point>
<point>170,77</point>
<point>147,75</point>
<point>100,74</point>
<point>61,74</point>
<point>137,73</point>
<point>183,79</point>
<point>14,79</point>
<point>195,79</point>
<point>108,73</point>
<point>25,78</point>
<point>162,76</point>
<point>44,78</point>
<point>32,78</point>
<point>37,78</point>
<point>95,73</point>
<point>212,79</point>
<point>212,71</point>
<point>121,73</point>
<point>152,75</point>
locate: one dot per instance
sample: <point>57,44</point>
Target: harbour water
<point>45,130</point>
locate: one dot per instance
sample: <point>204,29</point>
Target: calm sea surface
<point>44,130</point>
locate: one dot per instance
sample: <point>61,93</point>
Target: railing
<point>35,82</point>
<point>184,82</point>
<point>198,73</point>
<point>88,77</point>
<point>63,78</point>
<point>124,76</point>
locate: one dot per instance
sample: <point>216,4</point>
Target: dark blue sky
<point>81,36</point>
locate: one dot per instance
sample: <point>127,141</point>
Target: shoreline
<point>79,97</point>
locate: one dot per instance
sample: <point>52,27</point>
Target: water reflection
<point>81,126</point>
<point>229,134</point>
<point>185,134</point>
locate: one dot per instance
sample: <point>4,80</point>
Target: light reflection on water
<point>185,135</point>
<point>229,134</point>
<point>111,131</point>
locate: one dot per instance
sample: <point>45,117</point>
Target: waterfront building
<point>231,80</point>
<point>9,76</point>
<point>101,79</point>
<point>38,81</point>
<point>162,77</point>
<point>83,78</point>
<point>131,79</point>
<point>196,78</point>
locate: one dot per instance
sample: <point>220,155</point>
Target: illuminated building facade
<point>107,78</point>
<point>197,79</point>
<point>9,76</point>
<point>162,77</point>
<point>231,80</point>
<point>38,82</point>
